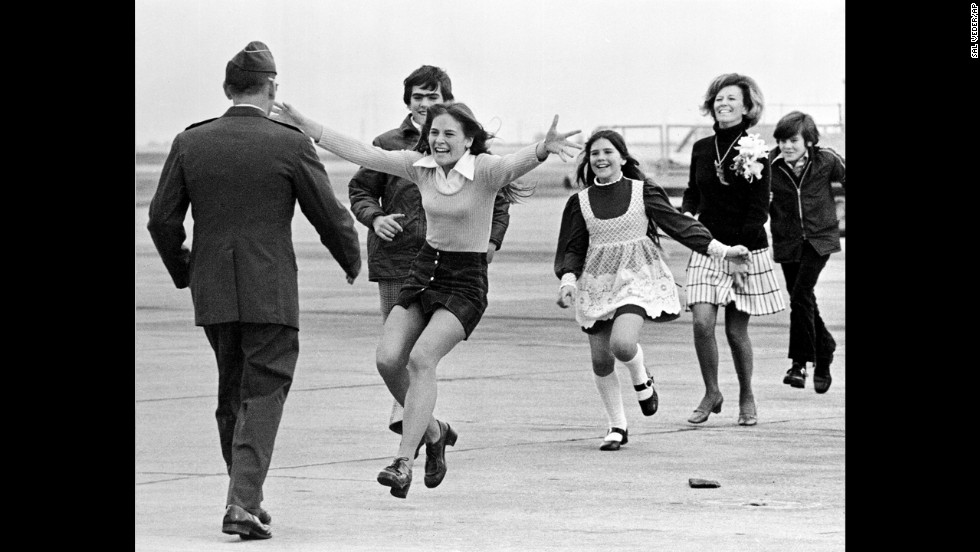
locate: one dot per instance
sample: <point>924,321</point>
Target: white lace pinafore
<point>623,266</point>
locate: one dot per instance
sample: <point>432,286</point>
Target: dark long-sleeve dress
<point>607,247</point>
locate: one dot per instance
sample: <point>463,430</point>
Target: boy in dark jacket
<point>804,226</point>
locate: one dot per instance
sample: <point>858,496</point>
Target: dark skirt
<point>635,309</point>
<point>453,280</point>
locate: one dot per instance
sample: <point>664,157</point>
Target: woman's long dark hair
<point>513,191</point>
<point>584,174</point>
<point>586,177</point>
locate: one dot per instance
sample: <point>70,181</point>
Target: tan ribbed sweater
<point>458,221</point>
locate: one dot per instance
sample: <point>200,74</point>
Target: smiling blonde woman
<point>735,209</point>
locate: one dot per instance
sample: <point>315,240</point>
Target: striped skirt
<point>710,281</point>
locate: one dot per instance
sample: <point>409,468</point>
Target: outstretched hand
<point>286,113</point>
<point>556,142</point>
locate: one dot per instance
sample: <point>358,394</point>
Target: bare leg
<point>705,316</point>
<point>388,294</point>
<point>401,331</point>
<point>440,335</point>
<point>737,331</point>
<point>625,335</point>
<point>603,361</point>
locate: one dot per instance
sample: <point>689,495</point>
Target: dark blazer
<point>804,209</point>
<point>242,174</point>
<point>373,194</point>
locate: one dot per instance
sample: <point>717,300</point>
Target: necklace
<point>719,170</point>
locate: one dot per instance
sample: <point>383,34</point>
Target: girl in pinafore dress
<point>616,273</point>
<point>445,294</point>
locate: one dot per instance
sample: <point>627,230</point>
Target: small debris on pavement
<point>703,484</point>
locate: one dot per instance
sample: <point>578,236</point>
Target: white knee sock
<point>612,399</point>
<point>638,373</point>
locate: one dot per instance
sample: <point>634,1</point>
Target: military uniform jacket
<point>242,175</point>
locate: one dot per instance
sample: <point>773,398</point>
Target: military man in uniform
<point>242,175</point>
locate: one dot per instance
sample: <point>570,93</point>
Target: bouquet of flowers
<point>750,148</point>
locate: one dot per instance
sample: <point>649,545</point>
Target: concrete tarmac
<point>526,473</point>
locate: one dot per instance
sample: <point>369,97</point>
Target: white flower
<point>750,148</point>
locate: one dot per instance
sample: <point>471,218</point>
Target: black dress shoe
<point>649,404</point>
<point>263,516</point>
<point>821,374</point>
<point>821,382</point>
<point>398,476</point>
<point>796,376</point>
<point>239,522</point>
<point>435,456</point>
<point>613,443</point>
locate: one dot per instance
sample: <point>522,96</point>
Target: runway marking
<point>275,471</point>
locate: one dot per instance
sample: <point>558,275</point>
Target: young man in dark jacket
<point>804,233</point>
<point>391,207</point>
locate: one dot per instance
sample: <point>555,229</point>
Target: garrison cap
<point>256,57</point>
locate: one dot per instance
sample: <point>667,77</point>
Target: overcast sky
<point>515,62</point>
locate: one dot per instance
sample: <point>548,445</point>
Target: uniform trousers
<point>255,370</point>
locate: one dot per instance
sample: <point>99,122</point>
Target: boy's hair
<point>751,96</point>
<point>797,122</point>
<point>428,77</point>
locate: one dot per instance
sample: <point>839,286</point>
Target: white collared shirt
<point>800,164</point>
<point>249,105</point>
<point>461,173</point>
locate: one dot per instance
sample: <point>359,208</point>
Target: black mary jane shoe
<point>398,476</point>
<point>614,443</point>
<point>649,404</point>
<point>239,522</point>
<point>435,456</point>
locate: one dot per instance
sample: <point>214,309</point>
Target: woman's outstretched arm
<point>398,163</point>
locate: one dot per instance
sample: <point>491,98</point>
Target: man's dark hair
<point>428,77</point>
<point>239,82</point>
